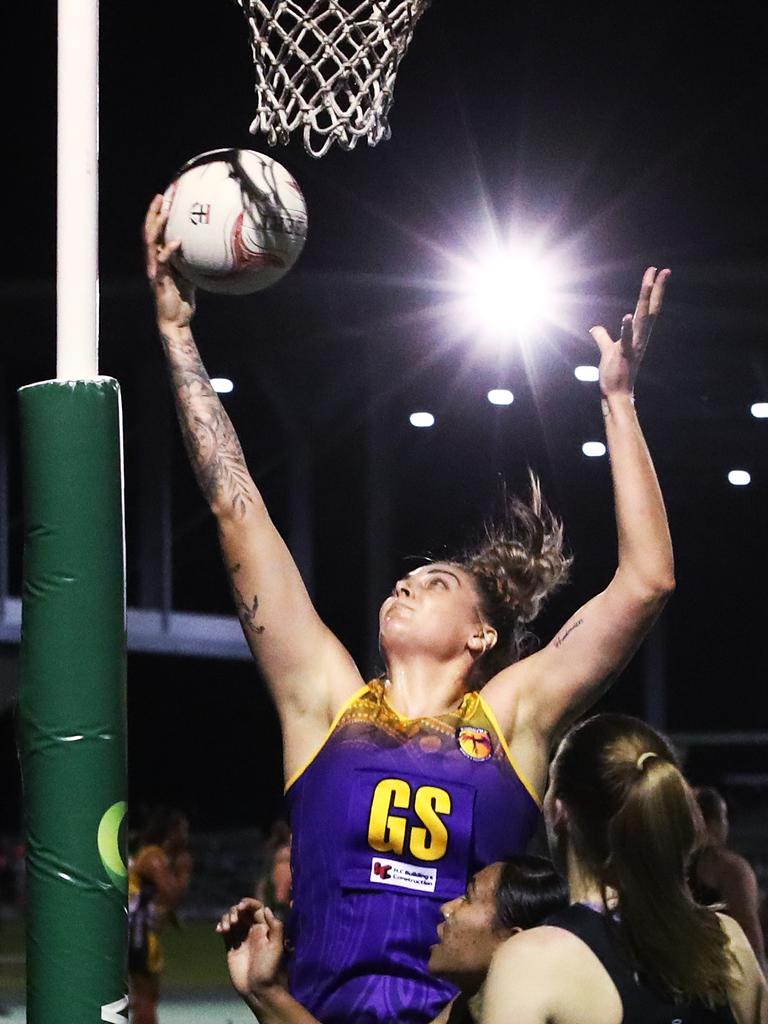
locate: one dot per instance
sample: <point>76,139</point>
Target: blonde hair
<point>518,561</point>
<point>634,823</point>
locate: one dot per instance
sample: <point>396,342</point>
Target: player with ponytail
<point>402,788</point>
<point>633,947</point>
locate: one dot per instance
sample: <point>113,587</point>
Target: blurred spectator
<point>274,886</point>
<point>719,875</point>
<point>158,878</point>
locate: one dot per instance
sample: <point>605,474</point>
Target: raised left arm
<point>550,688</point>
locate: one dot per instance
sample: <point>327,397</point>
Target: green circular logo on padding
<point>109,844</point>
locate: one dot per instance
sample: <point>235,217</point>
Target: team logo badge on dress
<point>474,742</point>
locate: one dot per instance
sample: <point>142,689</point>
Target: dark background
<point>628,135</point>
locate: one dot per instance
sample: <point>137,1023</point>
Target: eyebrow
<point>433,572</point>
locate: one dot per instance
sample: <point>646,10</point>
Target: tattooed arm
<point>555,685</point>
<point>308,671</point>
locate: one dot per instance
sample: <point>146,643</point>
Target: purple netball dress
<point>390,819</point>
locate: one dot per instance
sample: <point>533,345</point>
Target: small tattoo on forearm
<point>560,639</point>
<point>247,612</point>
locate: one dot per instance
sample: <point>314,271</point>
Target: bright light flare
<point>422,419</point>
<point>500,396</point>
<point>512,291</point>
<point>739,477</point>
<point>759,410</point>
<point>222,385</point>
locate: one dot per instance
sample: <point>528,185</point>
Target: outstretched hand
<point>253,937</point>
<point>620,360</point>
<point>174,297</point>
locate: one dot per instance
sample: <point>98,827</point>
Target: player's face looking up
<point>469,934</point>
<point>434,610</point>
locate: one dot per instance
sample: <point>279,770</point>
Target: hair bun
<point>517,563</point>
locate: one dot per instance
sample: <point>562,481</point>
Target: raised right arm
<point>308,671</point>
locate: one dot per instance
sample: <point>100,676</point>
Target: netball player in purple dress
<point>399,790</point>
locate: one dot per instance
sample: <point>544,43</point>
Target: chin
<point>433,964</point>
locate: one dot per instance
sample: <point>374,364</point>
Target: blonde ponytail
<point>634,823</point>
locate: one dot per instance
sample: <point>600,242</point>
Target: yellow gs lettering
<point>391,833</point>
<point>430,842</point>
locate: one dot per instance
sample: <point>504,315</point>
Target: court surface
<point>215,1009</point>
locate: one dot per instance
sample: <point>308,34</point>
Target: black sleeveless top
<point>642,1004</point>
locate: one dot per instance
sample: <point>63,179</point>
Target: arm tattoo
<point>247,612</point>
<point>560,639</point>
<point>209,437</point>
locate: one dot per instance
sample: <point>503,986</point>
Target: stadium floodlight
<point>222,385</point>
<point>586,373</point>
<point>593,449</point>
<point>500,396</point>
<point>739,477</point>
<point>759,410</point>
<point>512,291</point>
<point>422,419</point>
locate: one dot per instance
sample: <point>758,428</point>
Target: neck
<point>419,686</point>
<point>582,887</point>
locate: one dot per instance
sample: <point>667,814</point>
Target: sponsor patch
<point>474,742</point>
<point>405,876</point>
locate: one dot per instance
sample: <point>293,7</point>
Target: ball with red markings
<point>241,219</point>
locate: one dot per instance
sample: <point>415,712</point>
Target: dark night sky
<point>633,133</point>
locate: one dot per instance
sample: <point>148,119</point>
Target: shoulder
<point>727,866</point>
<point>747,991</point>
<point>734,862</point>
<point>737,940</point>
<point>556,970</point>
<point>546,947</point>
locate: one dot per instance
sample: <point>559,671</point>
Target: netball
<point>241,219</point>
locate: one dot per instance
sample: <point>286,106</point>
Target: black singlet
<point>642,1005</point>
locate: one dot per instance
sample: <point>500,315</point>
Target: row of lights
<point>502,396</point>
<point>593,449</point>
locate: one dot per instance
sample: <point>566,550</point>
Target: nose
<point>402,589</point>
<point>447,909</point>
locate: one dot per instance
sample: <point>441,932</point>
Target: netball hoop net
<point>328,67</point>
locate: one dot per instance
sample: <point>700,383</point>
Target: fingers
<point>165,252</point>
<point>650,301</point>
<point>657,293</point>
<point>154,229</point>
<point>155,220</point>
<point>644,298</point>
<point>242,913</point>
<point>602,338</point>
<point>626,337</point>
<point>276,927</point>
<point>636,329</point>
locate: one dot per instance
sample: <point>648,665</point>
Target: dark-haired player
<point>399,790</point>
<point>500,900</point>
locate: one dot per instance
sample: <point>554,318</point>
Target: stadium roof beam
<point>152,631</point>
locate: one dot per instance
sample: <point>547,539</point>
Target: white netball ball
<point>241,219</point>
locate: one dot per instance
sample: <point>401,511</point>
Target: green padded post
<point>72,733</point>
